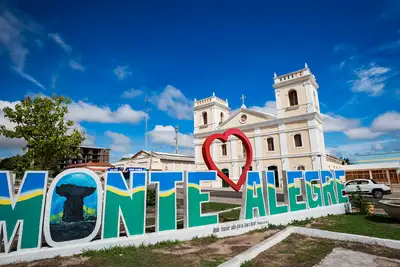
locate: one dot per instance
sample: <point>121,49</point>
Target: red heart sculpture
<point>224,137</point>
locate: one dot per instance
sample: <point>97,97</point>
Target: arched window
<point>301,168</point>
<point>205,118</point>
<point>270,144</point>
<point>293,98</point>
<point>221,117</point>
<point>297,140</point>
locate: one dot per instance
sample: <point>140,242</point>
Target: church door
<point>226,172</point>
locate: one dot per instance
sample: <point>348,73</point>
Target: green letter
<point>294,191</point>
<point>313,188</point>
<point>340,186</point>
<point>24,210</point>
<point>126,202</point>
<point>166,199</point>
<point>194,198</point>
<point>328,188</point>
<point>253,197</point>
<point>273,203</point>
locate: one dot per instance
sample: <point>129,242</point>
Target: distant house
<point>158,161</point>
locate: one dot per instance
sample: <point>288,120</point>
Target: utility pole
<point>176,140</point>
<point>320,160</point>
<point>147,116</point>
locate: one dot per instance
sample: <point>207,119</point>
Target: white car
<point>367,186</point>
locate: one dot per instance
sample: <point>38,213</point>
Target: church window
<point>224,150</point>
<point>293,98</point>
<point>270,144</point>
<point>301,168</point>
<point>297,140</point>
<point>205,118</point>
<point>221,117</point>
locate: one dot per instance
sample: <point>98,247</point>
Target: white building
<point>158,161</point>
<point>292,139</point>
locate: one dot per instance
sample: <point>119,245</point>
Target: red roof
<point>90,164</point>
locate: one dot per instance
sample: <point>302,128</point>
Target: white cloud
<point>90,140</point>
<point>15,144</point>
<point>57,38</point>
<point>29,78</point>
<point>54,79</point>
<point>120,142</point>
<point>348,150</point>
<point>174,102</point>
<point>13,36</point>
<point>389,121</point>
<point>76,65</point>
<point>82,111</point>
<point>269,107</point>
<point>122,72</point>
<point>337,123</point>
<point>132,93</point>
<point>165,135</point>
<point>370,80</point>
<point>3,120</point>
<point>362,133</point>
<point>12,39</point>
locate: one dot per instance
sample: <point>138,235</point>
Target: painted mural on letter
<point>73,212</point>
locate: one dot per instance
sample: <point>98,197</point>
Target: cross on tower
<point>243,98</point>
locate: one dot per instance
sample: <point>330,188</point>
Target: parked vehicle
<point>367,186</point>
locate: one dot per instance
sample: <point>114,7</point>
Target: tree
<point>49,136</point>
<point>345,161</point>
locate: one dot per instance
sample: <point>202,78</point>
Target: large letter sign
<point>254,204</point>
<point>194,199</point>
<point>78,210</point>
<point>124,201</point>
<point>23,211</point>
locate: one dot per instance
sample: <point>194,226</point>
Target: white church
<point>293,139</point>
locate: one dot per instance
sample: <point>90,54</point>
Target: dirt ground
<point>208,251</point>
<point>303,251</point>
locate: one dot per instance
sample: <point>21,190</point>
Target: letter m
<point>23,212</point>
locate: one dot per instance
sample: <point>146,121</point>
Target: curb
<point>282,235</point>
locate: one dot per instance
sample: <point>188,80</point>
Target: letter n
<point>126,201</point>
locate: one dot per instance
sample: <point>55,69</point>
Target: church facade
<point>292,139</point>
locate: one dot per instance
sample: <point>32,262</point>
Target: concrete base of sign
<point>275,239</point>
<point>233,228</point>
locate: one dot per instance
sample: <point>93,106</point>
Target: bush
<point>151,196</point>
<point>359,202</point>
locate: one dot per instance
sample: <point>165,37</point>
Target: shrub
<point>151,196</point>
<point>359,202</point>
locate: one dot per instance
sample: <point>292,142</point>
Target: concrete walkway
<point>349,258</point>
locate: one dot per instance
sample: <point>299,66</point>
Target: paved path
<point>349,258</point>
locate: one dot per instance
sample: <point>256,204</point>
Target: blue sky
<point>107,55</point>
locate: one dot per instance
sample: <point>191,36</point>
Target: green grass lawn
<point>381,226</point>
